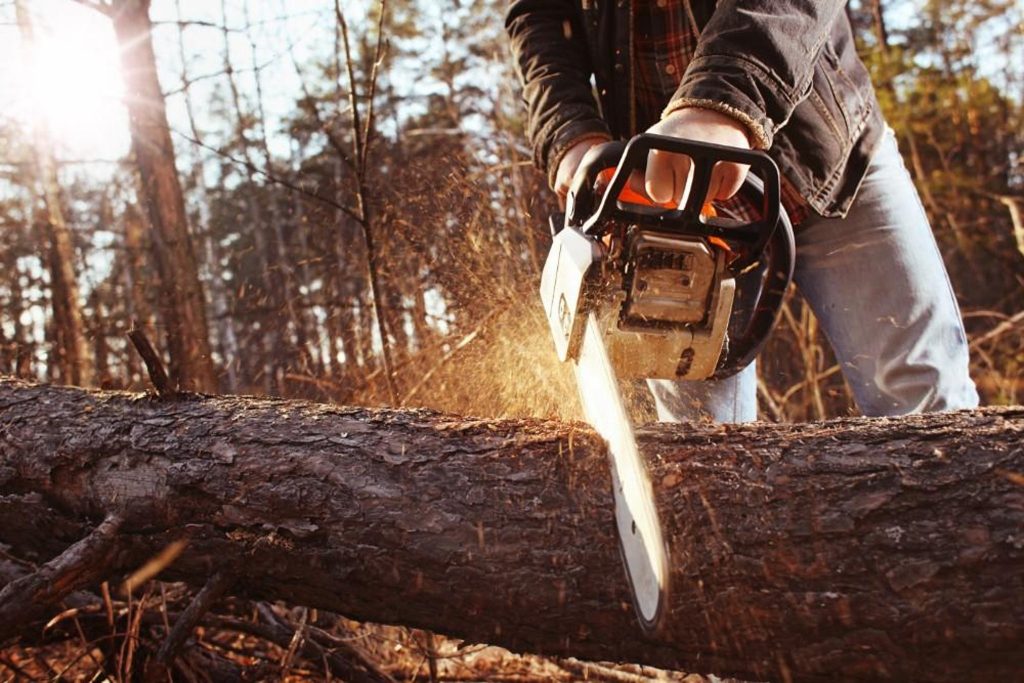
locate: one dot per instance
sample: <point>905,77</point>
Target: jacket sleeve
<point>551,58</point>
<point>755,61</point>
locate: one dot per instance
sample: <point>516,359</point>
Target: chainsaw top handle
<point>592,210</point>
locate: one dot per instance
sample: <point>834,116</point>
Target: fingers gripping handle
<point>703,157</point>
<point>589,208</point>
<point>583,192</point>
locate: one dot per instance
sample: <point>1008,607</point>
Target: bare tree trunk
<point>72,353</point>
<point>22,351</point>
<point>365,330</point>
<point>100,347</point>
<point>289,292</point>
<point>7,347</point>
<point>878,22</point>
<point>396,313</point>
<point>182,297</point>
<point>362,137</point>
<point>225,323</point>
<point>271,335</point>
<point>854,549</point>
<point>139,311</point>
<point>426,334</point>
<point>346,297</point>
<point>315,330</point>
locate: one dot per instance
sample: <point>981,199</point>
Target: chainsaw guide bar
<point>636,519</point>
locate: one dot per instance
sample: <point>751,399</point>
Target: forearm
<point>755,61</point>
<point>550,55</point>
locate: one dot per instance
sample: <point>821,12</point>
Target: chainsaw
<point>637,290</point>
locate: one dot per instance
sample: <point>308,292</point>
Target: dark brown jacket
<point>786,68</point>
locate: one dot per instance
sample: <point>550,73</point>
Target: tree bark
<point>854,549</point>
<point>182,297</point>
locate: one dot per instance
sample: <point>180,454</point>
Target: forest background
<point>358,219</point>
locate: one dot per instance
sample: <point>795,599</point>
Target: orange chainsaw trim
<point>629,196</point>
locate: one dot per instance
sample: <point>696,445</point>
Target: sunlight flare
<point>70,78</point>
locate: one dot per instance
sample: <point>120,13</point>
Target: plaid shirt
<point>665,36</point>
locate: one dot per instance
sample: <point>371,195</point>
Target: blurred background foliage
<point>261,116</point>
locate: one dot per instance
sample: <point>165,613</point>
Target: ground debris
<point>259,641</point>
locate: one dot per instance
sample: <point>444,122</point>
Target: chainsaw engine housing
<point>668,280</point>
<point>676,302</point>
<point>662,301</point>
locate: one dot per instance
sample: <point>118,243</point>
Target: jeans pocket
<point>829,106</point>
<point>849,84</point>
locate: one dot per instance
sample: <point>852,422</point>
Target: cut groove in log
<point>855,549</point>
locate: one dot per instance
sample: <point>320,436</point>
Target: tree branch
<point>276,179</point>
<point>154,366</point>
<point>378,58</point>
<point>340,661</point>
<point>25,599</point>
<point>186,622</point>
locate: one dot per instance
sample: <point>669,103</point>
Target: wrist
<point>754,132</point>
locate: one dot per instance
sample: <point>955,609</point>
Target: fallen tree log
<point>886,549</point>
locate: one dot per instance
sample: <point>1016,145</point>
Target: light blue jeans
<point>877,284</point>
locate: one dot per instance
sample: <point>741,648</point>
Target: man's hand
<point>569,163</point>
<point>668,175</point>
